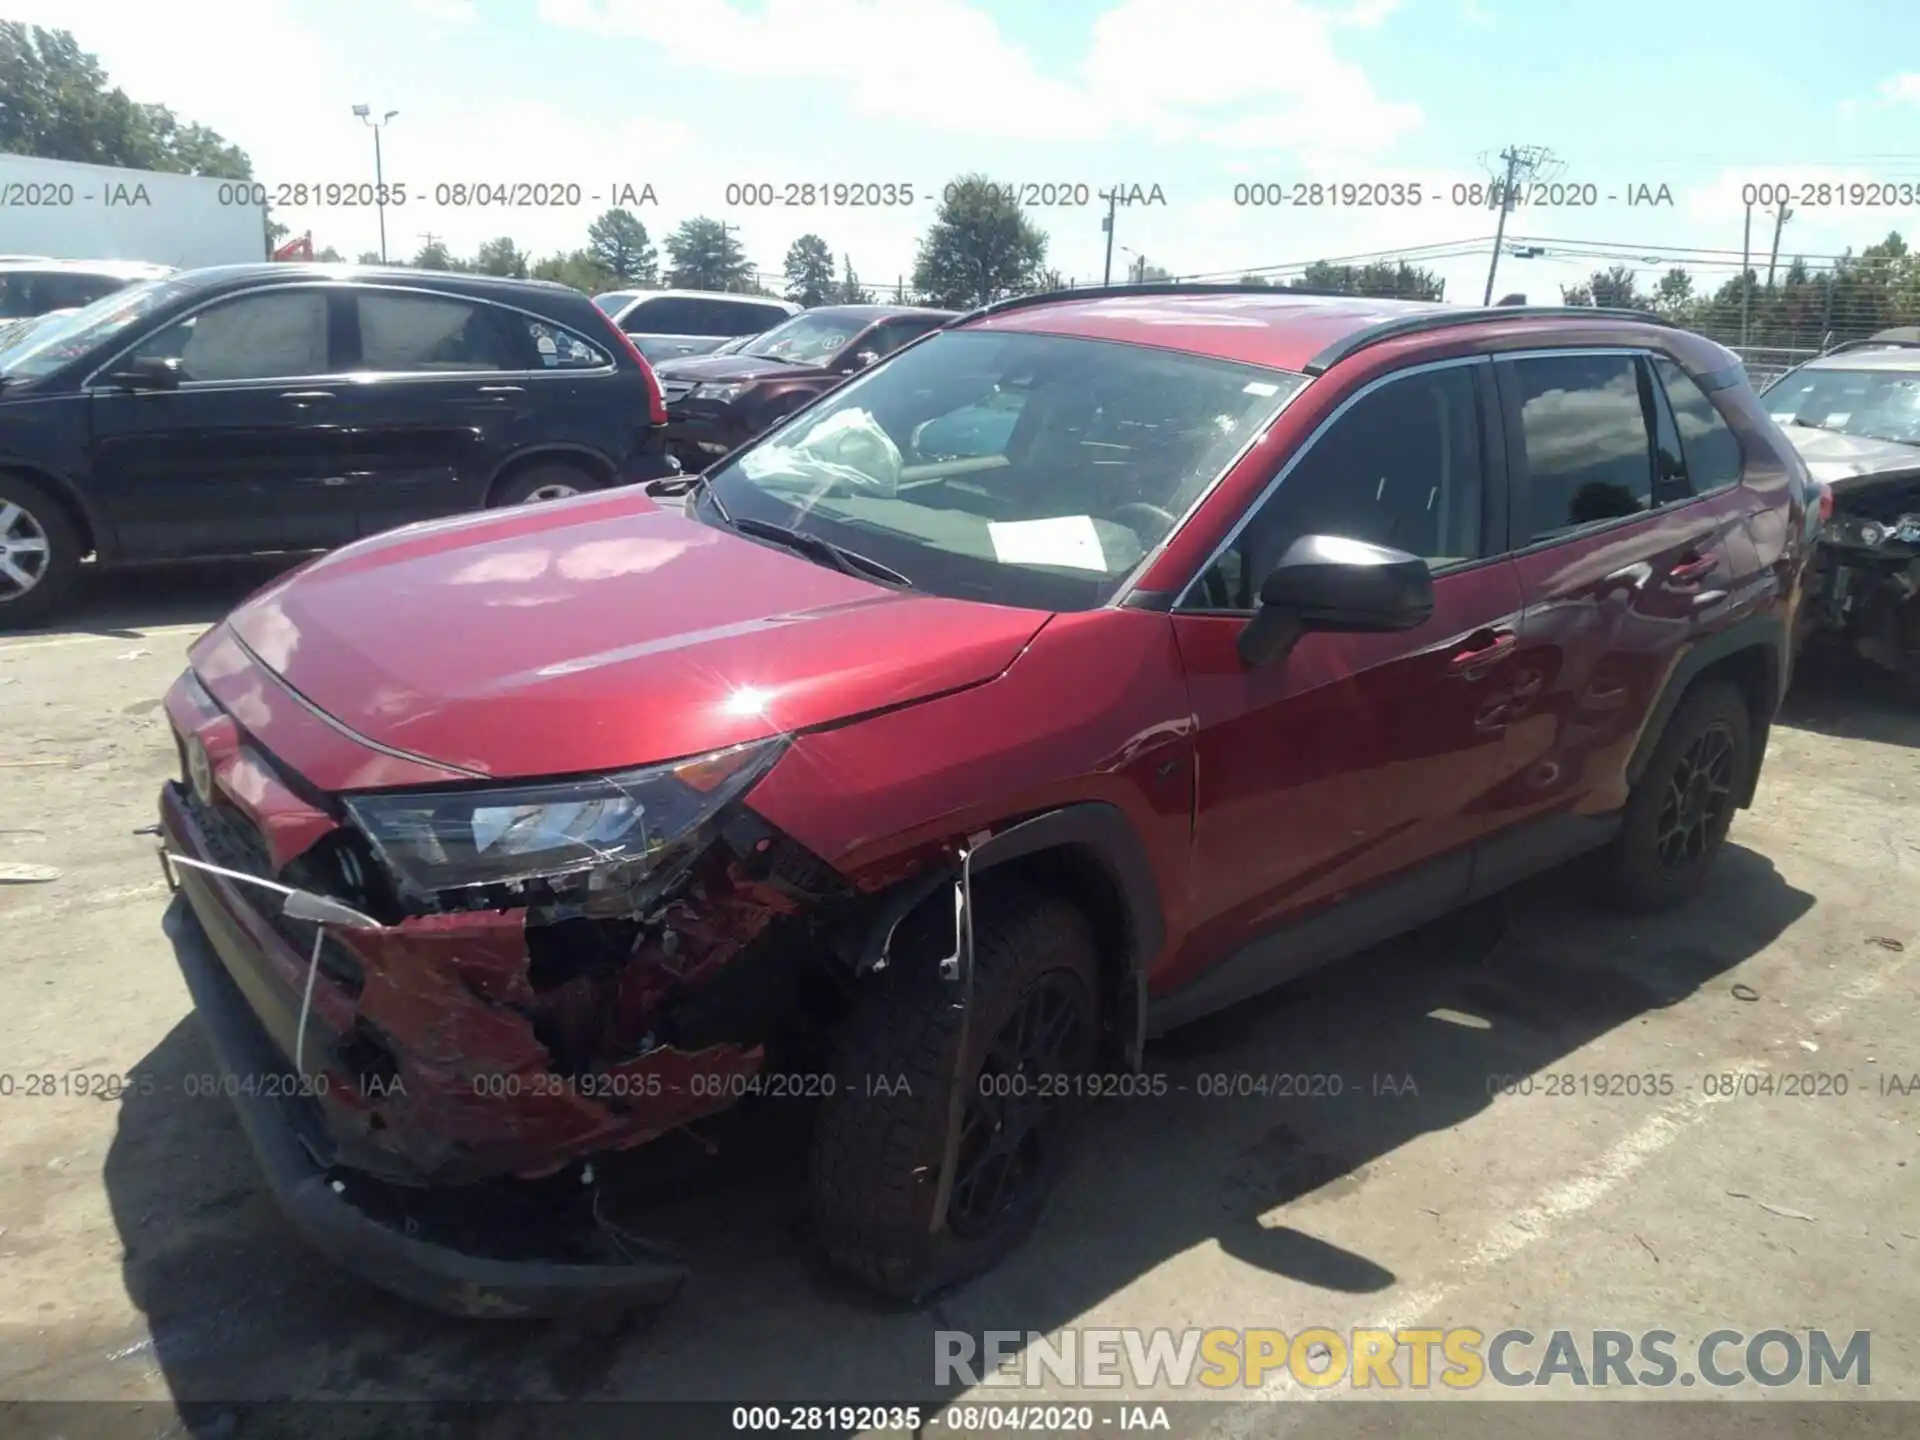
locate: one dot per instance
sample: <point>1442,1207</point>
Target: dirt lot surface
<point>141,1260</point>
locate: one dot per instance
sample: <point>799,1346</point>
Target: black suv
<point>279,407</point>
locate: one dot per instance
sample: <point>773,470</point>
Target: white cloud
<point>1902,89</point>
<point>453,12</point>
<point>1153,66</point>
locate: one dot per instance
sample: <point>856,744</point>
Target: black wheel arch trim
<point>1095,826</point>
<point>91,520</point>
<point>1768,634</point>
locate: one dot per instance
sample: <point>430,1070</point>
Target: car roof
<point>114,269</point>
<point>1279,329</point>
<point>878,312</point>
<point>735,295</point>
<point>1893,357</point>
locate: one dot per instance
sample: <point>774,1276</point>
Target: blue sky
<point>1195,96</point>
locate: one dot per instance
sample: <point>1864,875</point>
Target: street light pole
<point>1113,201</point>
<point>365,112</point>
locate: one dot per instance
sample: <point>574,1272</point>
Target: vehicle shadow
<point>240,1312</point>
<point>121,603</point>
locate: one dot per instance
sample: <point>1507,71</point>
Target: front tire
<point>1679,813</point>
<point>39,553</point>
<point>538,483</point>
<point>880,1141</point>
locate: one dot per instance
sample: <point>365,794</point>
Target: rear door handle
<point>1482,649</point>
<point>503,389</point>
<point>306,397</point>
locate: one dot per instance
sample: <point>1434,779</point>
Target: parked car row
<point>716,403</point>
<point>1076,671</point>
<point>253,408</point>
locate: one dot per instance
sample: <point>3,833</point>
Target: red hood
<point>603,632</point>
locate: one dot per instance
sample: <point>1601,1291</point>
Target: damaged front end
<point>1864,593</point>
<point>539,974</point>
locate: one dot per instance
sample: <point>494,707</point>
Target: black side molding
<point>1104,830</point>
<point>1766,633</point>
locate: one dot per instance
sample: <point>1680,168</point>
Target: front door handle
<point>1482,650</point>
<point>1692,568</point>
<point>306,397</point>
<point>503,389</point>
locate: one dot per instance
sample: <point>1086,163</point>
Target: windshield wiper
<point>685,484</point>
<point>814,547</point>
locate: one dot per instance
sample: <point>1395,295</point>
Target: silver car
<point>1854,416</point>
<point>665,324</point>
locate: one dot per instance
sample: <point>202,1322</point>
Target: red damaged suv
<point>1077,671</point>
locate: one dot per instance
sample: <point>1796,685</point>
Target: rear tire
<point>40,551</point>
<point>550,480</point>
<point>1679,812</point>
<point>876,1160</point>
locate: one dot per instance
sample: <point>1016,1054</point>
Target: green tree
<point>327,255</point>
<point>704,255</point>
<point>1255,280</point>
<point>1384,279</point>
<point>577,268</point>
<point>56,104</point>
<point>980,246</point>
<point>500,256</point>
<point>809,268</point>
<point>434,255</point>
<point>850,291</point>
<point>1673,295</point>
<point>369,257</point>
<point>619,245</point>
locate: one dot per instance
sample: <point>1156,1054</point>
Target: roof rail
<point>1152,287</point>
<point>1447,318</point>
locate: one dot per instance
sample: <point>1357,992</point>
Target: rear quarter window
<point>1711,450</point>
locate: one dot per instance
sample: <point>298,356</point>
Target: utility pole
<point>1781,216</point>
<point>1112,197</point>
<point>1746,272</point>
<point>365,112</point>
<point>1525,163</point>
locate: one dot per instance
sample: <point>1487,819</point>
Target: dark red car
<point>1082,670</point>
<point>716,403</point>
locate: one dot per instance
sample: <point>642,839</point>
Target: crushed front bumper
<point>320,1199</point>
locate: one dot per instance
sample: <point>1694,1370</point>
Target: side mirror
<point>1332,583</point>
<point>151,372</point>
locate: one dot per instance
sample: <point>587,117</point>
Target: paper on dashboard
<point>1068,541</point>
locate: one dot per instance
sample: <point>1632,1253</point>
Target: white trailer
<point>67,211</point>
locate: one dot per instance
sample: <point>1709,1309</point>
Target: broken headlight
<point>622,826</point>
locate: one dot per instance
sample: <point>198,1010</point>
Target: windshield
<point>1030,470</point>
<point>806,339</point>
<point>54,343</point>
<point>1877,404</point>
